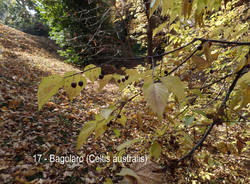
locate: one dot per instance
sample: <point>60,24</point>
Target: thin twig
<point>166,53</point>
<point>223,42</point>
<point>184,61</point>
<point>222,107</point>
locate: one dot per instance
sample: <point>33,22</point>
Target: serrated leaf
<point>188,120</point>
<point>127,144</point>
<point>92,74</point>
<point>128,172</point>
<point>87,129</point>
<point>48,87</point>
<point>155,150</point>
<point>156,95</point>
<point>73,92</point>
<point>174,84</point>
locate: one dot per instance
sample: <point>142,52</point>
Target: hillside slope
<point>25,132</point>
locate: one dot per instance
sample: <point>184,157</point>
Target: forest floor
<point>25,132</point>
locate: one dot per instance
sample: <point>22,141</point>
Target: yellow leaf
<point>87,129</point>
<point>92,74</point>
<point>104,81</point>
<point>73,92</point>
<point>100,128</point>
<point>156,95</point>
<point>48,87</point>
<point>174,84</point>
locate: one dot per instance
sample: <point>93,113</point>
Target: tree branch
<point>184,61</point>
<point>221,108</point>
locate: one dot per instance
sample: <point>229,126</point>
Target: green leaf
<point>188,120</point>
<point>122,120</point>
<point>155,150</point>
<point>117,132</point>
<point>100,128</point>
<point>101,125</point>
<point>87,129</point>
<point>156,95</point>
<point>128,172</point>
<point>127,144</point>
<point>73,92</point>
<point>92,74</point>
<point>174,84</point>
<point>48,87</point>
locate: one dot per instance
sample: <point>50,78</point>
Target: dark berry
<point>126,77</point>
<point>110,122</point>
<point>73,85</point>
<point>211,71</point>
<point>165,72</point>
<point>80,83</point>
<point>101,76</point>
<point>118,116</point>
<point>199,47</point>
<point>123,79</point>
<point>119,81</point>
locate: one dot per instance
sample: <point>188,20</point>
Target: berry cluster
<point>74,84</point>
<point>123,79</point>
